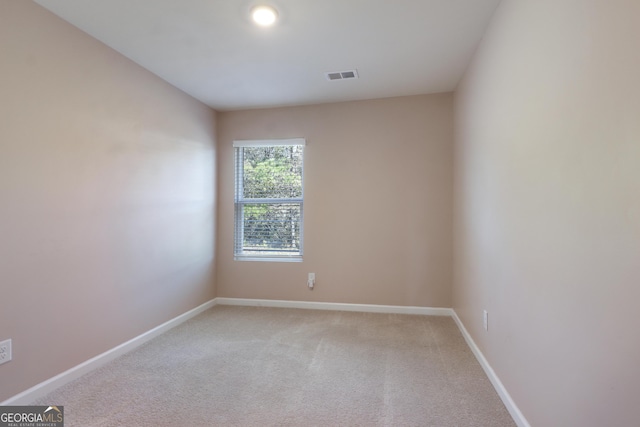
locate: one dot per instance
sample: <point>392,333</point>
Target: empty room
<point>320,213</point>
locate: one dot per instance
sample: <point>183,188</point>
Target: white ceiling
<point>211,50</point>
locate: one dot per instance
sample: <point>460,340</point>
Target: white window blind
<point>269,199</point>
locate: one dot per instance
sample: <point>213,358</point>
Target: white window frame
<point>239,201</point>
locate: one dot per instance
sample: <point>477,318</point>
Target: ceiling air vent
<point>342,75</point>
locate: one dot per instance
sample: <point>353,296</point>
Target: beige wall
<point>106,197</point>
<point>378,178</point>
<point>547,204</point>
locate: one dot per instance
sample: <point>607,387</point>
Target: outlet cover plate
<point>5,351</point>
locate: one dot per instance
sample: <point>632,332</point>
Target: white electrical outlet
<point>311,281</point>
<point>485,320</point>
<point>5,351</point>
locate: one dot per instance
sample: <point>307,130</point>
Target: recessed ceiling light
<point>264,15</point>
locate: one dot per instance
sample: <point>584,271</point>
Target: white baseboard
<point>368,308</point>
<point>45,387</point>
<point>511,406</point>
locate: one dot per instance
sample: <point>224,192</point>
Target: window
<point>268,200</point>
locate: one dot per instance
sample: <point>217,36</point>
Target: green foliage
<point>276,173</point>
<point>272,172</point>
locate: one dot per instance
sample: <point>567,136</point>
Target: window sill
<point>267,258</point>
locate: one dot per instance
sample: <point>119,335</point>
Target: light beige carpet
<point>251,366</point>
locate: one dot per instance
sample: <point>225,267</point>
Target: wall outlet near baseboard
<point>5,351</point>
<point>485,319</point>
